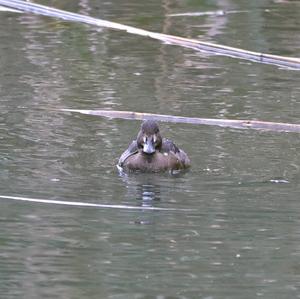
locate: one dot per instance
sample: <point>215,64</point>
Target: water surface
<point>232,228</point>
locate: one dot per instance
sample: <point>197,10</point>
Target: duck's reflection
<point>148,193</point>
<point>145,189</point>
<point>148,188</point>
<point>142,187</point>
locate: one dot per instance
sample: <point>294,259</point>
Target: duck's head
<point>149,139</point>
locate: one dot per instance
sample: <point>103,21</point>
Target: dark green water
<point>232,229</point>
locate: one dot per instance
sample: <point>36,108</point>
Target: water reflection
<point>148,192</point>
<point>144,188</point>
<point>149,187</point>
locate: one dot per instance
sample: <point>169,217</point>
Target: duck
<point>150,152</point>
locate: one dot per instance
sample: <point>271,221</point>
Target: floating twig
<point>230,123</point>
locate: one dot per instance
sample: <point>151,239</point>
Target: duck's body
<point>152,153</point>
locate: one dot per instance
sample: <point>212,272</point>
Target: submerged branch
<point>38,9</point>
<point>230,123</point>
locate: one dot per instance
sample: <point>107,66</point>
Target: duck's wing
<point>132,149</point>
<point>169,146</point>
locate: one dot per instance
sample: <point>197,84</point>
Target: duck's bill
<point>148,147</point>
